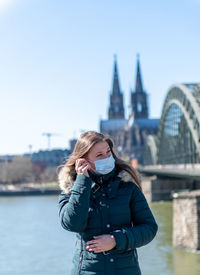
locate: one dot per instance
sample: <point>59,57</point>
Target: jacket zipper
<point>136,257</point>
<point>80,263</point>
<point>135,254</point>
<point>101,180</point>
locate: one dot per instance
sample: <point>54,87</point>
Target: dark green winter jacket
<point>107,204</point>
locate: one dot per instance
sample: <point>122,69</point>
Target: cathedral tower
<point>116,108</point>
<point>139,104</point>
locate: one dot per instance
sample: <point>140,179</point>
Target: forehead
<point>99,147</point>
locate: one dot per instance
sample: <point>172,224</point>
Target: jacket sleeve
<point>73,207</point>
<point>144,226</point>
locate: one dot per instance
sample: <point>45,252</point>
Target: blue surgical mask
<point>104,166</point>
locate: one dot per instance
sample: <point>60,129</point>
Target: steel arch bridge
<point>178,138</point>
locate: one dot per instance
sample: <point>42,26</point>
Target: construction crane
<point>30,146</point>
<point>49,135</point>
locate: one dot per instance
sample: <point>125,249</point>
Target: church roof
<point>112,124</point>
<point>149,123</point>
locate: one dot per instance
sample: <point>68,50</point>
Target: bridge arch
<point>178,139</point>
<point>150,153</point>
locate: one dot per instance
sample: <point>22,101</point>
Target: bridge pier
<point>157,188</point>
<point>186,220</point>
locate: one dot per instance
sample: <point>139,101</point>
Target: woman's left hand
<point>101,243</point>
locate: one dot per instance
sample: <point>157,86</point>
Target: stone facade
<point>186,220</point>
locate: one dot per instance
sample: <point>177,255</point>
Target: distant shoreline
<point>29,192</point>
<point>29,189</point>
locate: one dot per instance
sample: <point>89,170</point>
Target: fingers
<point>81,166</point>
<point>95,248</point>
<point>84,170</point>
<point>94,245</point>
<point>91,247</point>
<point>80,160</point>
<point>97,238</point>
<point>79,163</point>
<point>101,243</point>
<point>84,167</point>
<point>92,242</point>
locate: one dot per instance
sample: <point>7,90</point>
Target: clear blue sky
<point>56,62</point>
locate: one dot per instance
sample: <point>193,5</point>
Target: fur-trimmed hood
<point>66,184</point>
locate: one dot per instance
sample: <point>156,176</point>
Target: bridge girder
<point>187,98</point>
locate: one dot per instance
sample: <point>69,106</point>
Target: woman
<point>102,201</point>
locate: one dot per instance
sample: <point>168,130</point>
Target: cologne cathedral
<point>129,134</point>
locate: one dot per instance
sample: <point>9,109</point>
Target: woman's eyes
<point>101,154</point>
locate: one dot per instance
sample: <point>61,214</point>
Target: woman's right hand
<point>81,166</point>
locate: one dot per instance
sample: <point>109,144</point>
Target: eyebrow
<point>108,148</point>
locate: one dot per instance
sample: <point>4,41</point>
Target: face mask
<point>104,166</point>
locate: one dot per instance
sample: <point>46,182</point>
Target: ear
<point>91,163</point>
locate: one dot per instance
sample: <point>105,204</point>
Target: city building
<point>50,158</point>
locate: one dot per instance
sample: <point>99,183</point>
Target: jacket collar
<point>66,184</point>
<point>111,178</point>
<point>101,179</point>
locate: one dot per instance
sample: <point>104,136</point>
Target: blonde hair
<point>87,140</point>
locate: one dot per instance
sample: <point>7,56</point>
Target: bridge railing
<point>187,166</point>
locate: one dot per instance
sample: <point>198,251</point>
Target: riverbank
<point>29,189</point>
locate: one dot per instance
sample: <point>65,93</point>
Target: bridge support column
<point>186,220</point>
<point>146,184</point>
<point>161,188</point>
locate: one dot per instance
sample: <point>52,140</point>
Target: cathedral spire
<point>116,87</point>
<point>139,96</point>
<point>138,86</point>
<point>116,108</point>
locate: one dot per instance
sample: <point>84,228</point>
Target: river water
<point>32,241</point>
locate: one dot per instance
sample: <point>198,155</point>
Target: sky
<point>56,62</point>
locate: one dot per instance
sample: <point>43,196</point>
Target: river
<point>33,242</point>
